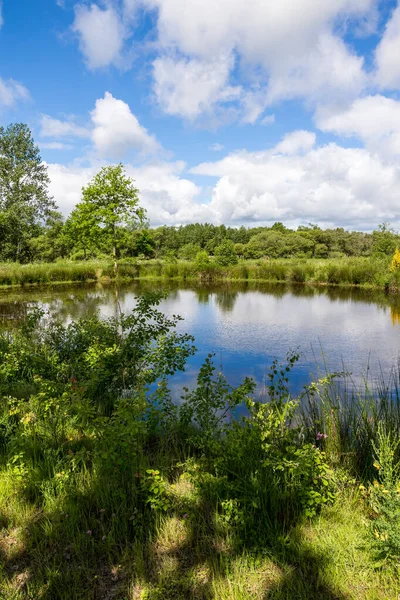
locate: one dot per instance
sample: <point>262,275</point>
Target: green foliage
<point>109,201</point>
<point>101,468</point>
<point>225,254</point>
<point>384,497</point>
<point>202,260</point>
<point>385,240</point>
<point>24,197</point>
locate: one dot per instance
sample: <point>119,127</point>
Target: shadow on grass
<point>76,550</point>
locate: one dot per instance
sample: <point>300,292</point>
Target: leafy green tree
<point>82,231</point>
<point>51,243</point>
<point>385,240</point>
<point>225,254</point>
<point>24,196</point>
<point>189,251</point>
<point>202,260</point>
<point>145,243</point>
<point>110,201</point>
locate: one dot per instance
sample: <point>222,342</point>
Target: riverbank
<point>109,491</point>
<point>363,272</point>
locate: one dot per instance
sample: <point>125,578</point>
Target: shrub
<point>225,254</point>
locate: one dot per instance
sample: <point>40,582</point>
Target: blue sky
<point>225,111</point>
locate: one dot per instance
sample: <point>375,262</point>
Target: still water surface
<point>247,325</point>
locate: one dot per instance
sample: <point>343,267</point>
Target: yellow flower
<point>377,466</point>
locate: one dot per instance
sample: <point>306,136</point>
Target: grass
<point>110,492</point>
<point>47,553</point>
<point>364,272</point>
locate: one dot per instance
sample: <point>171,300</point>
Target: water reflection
<point>246,324</point>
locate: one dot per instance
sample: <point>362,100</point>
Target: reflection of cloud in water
<point>247,325</point>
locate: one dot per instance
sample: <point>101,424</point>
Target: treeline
<point>57,239</point>
<point>108,220</point>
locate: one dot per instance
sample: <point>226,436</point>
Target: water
<point>248,325</point>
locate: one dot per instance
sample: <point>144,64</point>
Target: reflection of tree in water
<point>395,310</point>
<point>226,300</point>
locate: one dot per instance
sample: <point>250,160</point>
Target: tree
<point>385,240</point>
<point>24,197</point>
<point>225,254</point>
<point>110,201</point>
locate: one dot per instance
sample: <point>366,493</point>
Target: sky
<point>242,112</point>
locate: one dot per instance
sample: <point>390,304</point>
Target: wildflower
<point>89,532</point>
<point>102,510</point>
<point>185,516</point>
<point>321,436</point>
<point>377,465</point>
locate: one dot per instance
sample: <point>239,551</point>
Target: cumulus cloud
<point>295,182</point>
<point>387,54</point>
<point>55,128</point>
<point>101,35</point>
<point>10,92</point>
<point>292,44</point>
<point>329,185</point>
<point>117,131</point>
<point>191,87</point>
<point>280,50</point>
<point>296,142</point>
<point>113,130</point>
<point>167,196</point>
<point>373,119</point>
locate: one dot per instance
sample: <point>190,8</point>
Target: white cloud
<point>56,128</point>
<point>329,185</point>
<point>66,184</point>
<point>387,54</point>
<point>10,92</point>
<point>114,130</point>
<point>373,119</point>
<point>268,120</point>
<point>117,131</point>
<point>296,142</point>
<point>328,72</point>
<point>101,35</point>
<point>291,45</point>
<point>55,146</point>
<point>191,87</point>
<point>216,147</point>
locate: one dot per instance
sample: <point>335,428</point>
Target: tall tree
<point>111,200</point>
<point>24,196</point>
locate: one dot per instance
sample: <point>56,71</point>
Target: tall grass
<point>349,413</point>
<point>345,271</point>
<point>110,491</point>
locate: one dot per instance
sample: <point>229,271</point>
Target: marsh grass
<point>365,272</point>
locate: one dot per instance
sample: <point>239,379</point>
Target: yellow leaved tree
<point>395,265</point>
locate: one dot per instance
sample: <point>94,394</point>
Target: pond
<point>248,325</point>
